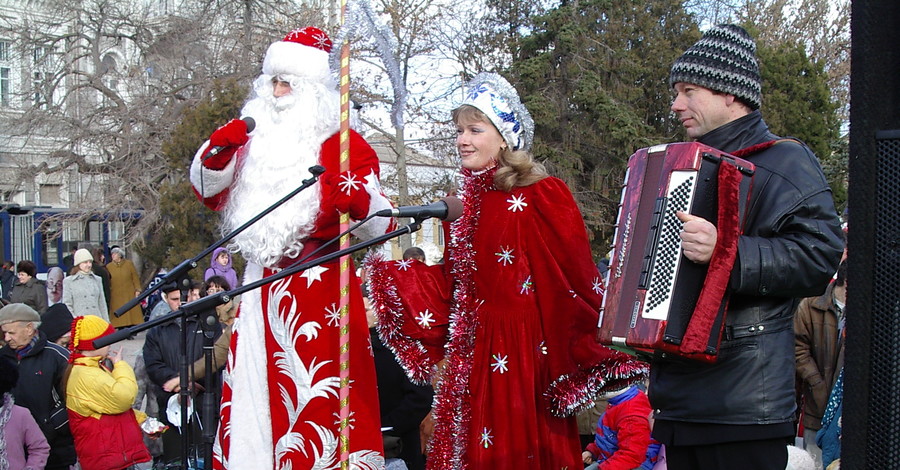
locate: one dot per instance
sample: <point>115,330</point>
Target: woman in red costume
<point>505,329</point>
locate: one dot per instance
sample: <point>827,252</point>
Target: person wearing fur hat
<point>41,366</point>
<point>269,417</point>
<point>83,291</point>
<point>22,444</point>
<point>29,290</point>
<point>505,327</point>
<point>738,413</point>
<point>99,395</point>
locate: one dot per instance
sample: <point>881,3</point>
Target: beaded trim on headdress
<point>497,99</point>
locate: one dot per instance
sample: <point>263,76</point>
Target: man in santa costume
<point>280,405</point>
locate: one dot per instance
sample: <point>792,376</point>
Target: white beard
<point>286,142</point>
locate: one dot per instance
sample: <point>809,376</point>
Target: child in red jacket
<point>622,440</point>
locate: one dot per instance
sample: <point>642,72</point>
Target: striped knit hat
<point>723,60</point>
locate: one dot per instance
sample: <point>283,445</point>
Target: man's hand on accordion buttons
<point>230,137</point>
<point>698,237</point>
<point>347,193</point>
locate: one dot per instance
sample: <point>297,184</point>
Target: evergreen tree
<point>186,225</point>
<point>594,75</point>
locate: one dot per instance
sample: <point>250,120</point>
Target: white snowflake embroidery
<point>573,293</point>
<point>500,363</point>
<point>517,203</point>
<point>350,419</point>
<point>598,286</point>
<point>333,314</point>
<point>349,183</point>
<point>313,274</point>
<point>486,438</point>
<point>527,286</point>
<point>321,41</point>
<point>404,264</point>
<point>505,256</point>
<point>542,348</point>
<point>425,319</point>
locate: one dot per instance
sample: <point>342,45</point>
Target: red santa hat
<point>302,53</point>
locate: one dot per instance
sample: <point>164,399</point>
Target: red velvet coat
<point>514,313</point>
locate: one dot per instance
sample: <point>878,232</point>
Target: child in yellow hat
<point>100,388</point>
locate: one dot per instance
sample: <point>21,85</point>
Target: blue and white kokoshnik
<point>498,100</point>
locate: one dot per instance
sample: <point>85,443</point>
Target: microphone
<point>251,124</point>
<point>448,208</point>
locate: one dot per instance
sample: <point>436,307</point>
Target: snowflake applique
<point>321,41</point>
<point>505,256</point>
<point>597,286</point>
<point>573,293</point>
<point>517,203</point>
<point>500,363</point>
<point>542,348</point>
<point>349,183</point>
<point>425,319</point>
<point>527,286</point>
<point>350,419</point>
<point>404,264</point>
<point>487,439</point>
<point>333,314</point>
<point>313,274</point>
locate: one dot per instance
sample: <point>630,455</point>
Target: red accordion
<point>657,301</point>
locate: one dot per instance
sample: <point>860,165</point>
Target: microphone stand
<point>179,273</point>
<point>209,303</point>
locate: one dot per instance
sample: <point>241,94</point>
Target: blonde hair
<point>516,168</point>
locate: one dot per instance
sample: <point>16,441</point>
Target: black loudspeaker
<point>871,406</point>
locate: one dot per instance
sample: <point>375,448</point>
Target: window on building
<point>5,73</point>
<point>38,88</point>
<point>5,87</point>
<point>51,194</point>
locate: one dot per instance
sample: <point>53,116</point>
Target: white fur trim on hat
<point>291,58</point>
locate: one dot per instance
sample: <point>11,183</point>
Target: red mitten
<point>229,137</point>
<point>346,193</point>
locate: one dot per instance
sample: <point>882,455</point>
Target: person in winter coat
<point>819,350</point>
<point>100,388</point>
<point>83,291</point>
<point>29,290</point>
<point>739,412</point>
<point>220,265</point>
<point>124,286</point>
<point>22,444</point>
<point>622,439</point>
<point>41,365</point>
<point>99,268</point>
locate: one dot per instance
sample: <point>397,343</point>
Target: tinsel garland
<point>452,407</point>
<point>361,22</point>
<point>410,353</point>
<point>575,392</point>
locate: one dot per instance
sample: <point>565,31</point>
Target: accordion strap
<point>697,334</point>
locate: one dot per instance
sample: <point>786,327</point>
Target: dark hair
<point>172,286</point>
<point>27,267</point>
<point>219,281</point>
<point>841,274</point>
<point>8,264</point>
<point>415,253</point>
<point>9,375</point>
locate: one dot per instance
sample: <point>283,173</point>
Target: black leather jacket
<point>790,248</point>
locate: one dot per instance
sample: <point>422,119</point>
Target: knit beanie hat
<point>86,329</point>
<point>81,256</point>
<point>56,321</point>
<point>723,60</point>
